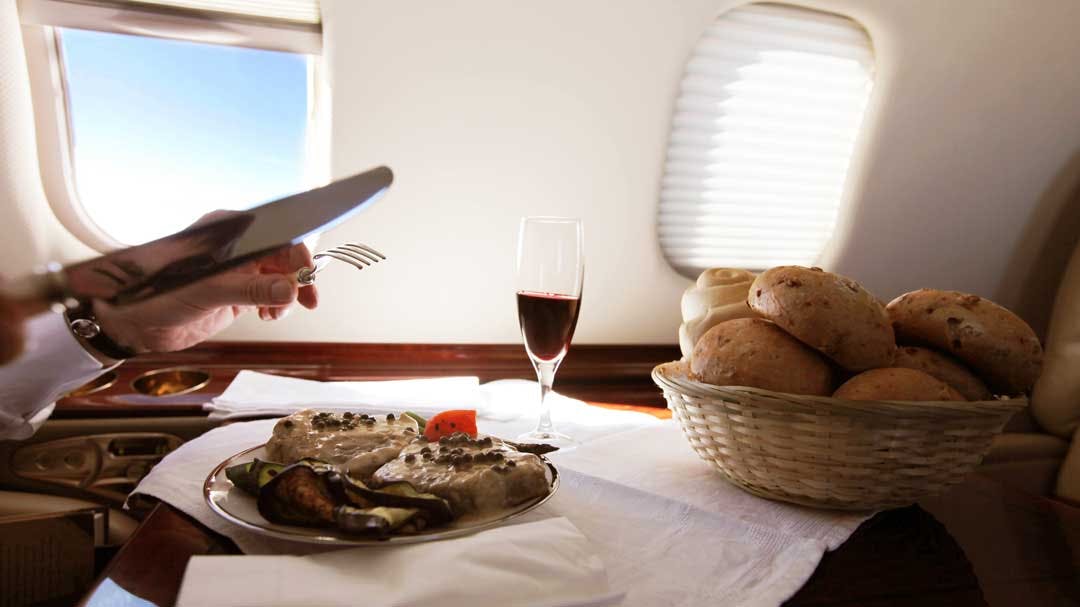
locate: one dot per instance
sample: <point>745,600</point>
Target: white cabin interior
<point>959,170</point>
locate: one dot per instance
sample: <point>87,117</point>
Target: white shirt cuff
<point>52,364</point>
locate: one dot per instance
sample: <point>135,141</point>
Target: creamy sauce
<point>355,443</point>
<point>477,476</point>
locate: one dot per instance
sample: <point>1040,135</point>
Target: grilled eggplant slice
<point>434,509</point>
<point>241,476</point>
<point>311,493</point>
<point>378,522</point>
<point>252,475</point>
<point>299,495</point>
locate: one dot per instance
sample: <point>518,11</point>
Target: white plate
<point>239,508</point>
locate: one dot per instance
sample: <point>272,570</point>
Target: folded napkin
<point>253,394</point>
<point>545,563</point>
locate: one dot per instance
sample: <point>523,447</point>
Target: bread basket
<point>831,453</point>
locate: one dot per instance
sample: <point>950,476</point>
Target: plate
<point>240,508</point>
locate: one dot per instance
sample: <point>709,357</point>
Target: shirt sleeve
<point>52,364</point>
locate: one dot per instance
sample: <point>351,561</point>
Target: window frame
<point>862,139</point>
<point>52,122</point>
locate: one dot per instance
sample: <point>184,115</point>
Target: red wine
<point>547,322</point>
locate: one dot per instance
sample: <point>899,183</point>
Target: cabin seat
<point>1039,451</point>
<point>17,503</point>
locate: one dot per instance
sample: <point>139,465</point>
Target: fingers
<point>309,297</point>
<point>213,216</point>
<point>268,284</point>
<point>289,261</point>
<point>239,288</point>
<point>274,313</point>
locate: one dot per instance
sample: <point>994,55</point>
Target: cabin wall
<point>488,111</point>
<point>31,233</point>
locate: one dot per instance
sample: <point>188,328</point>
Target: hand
<point>192,314</point>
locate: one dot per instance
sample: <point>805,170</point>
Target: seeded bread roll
<point>828,312</point>
<point>945,368</point>
<point>896,384</point>
<point>756,353</point>
<point>996,343</point>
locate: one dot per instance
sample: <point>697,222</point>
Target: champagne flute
<point>550,271</point>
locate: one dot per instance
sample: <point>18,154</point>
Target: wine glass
<point>550,270</point>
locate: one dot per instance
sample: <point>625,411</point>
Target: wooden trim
<point>599,373</point>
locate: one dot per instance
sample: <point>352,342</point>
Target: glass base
<point>556,439</point>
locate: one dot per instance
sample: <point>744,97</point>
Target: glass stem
<point>545,374</point>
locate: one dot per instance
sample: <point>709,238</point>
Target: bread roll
<point>718,295</point>
<point>828,312</point>
<point>756,353</point>
<point>896,384</point>
<point>996,343</point>
<point>945,368</point>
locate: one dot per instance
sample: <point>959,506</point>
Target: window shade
<point>764,128</point>
<point>284,25</point>
<point>296,11</point>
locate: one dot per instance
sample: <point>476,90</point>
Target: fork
<point>357,255</point>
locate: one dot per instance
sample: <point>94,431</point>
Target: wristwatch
<point>84,325</point>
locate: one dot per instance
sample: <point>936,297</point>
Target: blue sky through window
<point>165,131</point>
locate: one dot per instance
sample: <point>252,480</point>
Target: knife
<point>202,250</point>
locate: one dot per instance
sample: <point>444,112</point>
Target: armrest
<point>119,526</point>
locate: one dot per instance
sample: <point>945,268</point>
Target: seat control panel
<point>109,465</point>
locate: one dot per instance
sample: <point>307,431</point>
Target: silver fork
<point>357,255</point>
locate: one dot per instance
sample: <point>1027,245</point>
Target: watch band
<point>85,326</point>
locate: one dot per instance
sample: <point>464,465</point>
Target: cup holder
<point>170,382</point>
<point>102,382</point>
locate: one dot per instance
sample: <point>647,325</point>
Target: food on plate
<point>476,475</point>
<point>314,494</point>
<point>896,384</point>
<point>358,443</point>
<point>828,312</point>
<point>253,475</point>
<point>996,343</point>
<point>451,422</point>
<point>945,368</point>
<point>756,353</point>
<point>376,476</point>
<point>718,295</point>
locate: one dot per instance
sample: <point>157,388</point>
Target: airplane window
<point>164,131</point>
<point>764,128</point>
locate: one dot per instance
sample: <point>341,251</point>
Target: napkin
<point>664,552</point>
<point>659,460</point>
<point>253,394</point>
<point>544,563</point>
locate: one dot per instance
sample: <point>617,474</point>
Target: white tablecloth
<point>669,529</point>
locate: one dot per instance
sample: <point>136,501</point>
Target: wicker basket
<point>831,453</point>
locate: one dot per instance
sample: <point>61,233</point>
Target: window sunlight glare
<point>165,131</point>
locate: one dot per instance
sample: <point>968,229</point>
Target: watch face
<point>84,328</point>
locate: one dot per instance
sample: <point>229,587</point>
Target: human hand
<point>184,317</point>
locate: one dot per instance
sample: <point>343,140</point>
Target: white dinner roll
<point>718,295</point>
